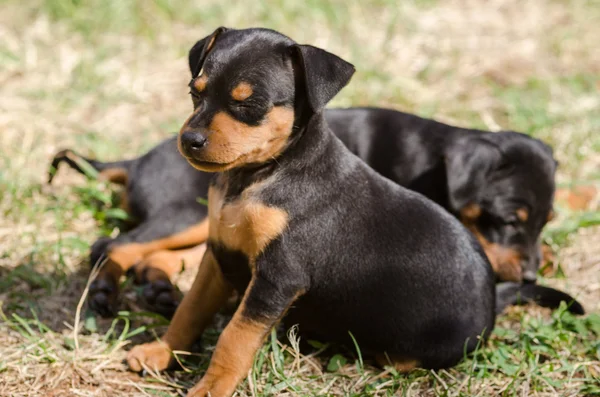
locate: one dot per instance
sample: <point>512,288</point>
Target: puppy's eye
<point>194,94</point>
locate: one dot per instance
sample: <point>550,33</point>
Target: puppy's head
<point>252,89</point>
<point>502,187</point>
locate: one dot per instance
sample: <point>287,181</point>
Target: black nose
<point>192,142</point>
<point>529,270</point>
<point>529,276</point>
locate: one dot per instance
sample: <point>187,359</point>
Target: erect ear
<point>325,75</point>
<point>199,51</point>
<point>469,163</point>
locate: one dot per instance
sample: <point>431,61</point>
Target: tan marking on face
<point>242,91</point>
<point>523,214</point>
<point>505,261</point>
<point>244,225</point>
<point>398,363</point>
<point>547,261</point>
<point>551,216</point>
<point>470,212</point>
<point>232,143</point>
<point>200,83</point>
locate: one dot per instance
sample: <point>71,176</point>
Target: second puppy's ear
<point>469,163</point>
<point>201,49</point>
<point>325,74</point>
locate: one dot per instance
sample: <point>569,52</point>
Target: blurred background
<point>109,77</point>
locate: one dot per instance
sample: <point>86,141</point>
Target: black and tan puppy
<point>501,185</point>
<point>306,231</point>
<point>169,223</point>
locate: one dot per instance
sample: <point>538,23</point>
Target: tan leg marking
<point>399,364</point>
<point>127,255</point>
<point>114,175</point>
<point>232,358</point>
<point>234,353</point>
<point>208,294</point>
<point>122,257</point>
<point>165,264</point>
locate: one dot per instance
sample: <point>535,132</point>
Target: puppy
<point>500,185</point>
<point>306,231</point>
<point>169,225</point>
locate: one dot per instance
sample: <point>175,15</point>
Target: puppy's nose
<point>529,277</point>
<point>193,142</point>
<point>529,271</point>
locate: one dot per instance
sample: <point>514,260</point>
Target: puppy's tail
<point>113,171</point>
<point>509,293</point>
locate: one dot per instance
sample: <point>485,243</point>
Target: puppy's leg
<point>208,293</point>
<point>264,303</point>
<point>156,272</point>
<point>400,364</point>
<point>131,248</point>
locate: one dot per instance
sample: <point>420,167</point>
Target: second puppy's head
<point>502,187</point>
<point>251,90</point>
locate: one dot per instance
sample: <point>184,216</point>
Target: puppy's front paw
<point>103,297</point>
<point>155,355</point>
<point>214,385</point>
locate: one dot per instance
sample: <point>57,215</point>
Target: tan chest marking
<point>244,225</point>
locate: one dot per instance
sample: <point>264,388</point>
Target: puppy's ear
<point>199,51</point>
<point>469,163</point>
<point>325,75</point>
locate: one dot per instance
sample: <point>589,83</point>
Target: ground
<point>109,78</point>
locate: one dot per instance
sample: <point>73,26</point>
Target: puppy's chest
<point>243,224</point>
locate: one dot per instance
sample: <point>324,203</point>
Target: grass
<point>109,78</point>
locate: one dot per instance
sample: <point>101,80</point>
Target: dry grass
<point>110,79</point>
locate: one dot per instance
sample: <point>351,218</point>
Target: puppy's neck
<point>308,142</point>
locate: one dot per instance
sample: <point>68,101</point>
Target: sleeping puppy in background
<point>500,185</point>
